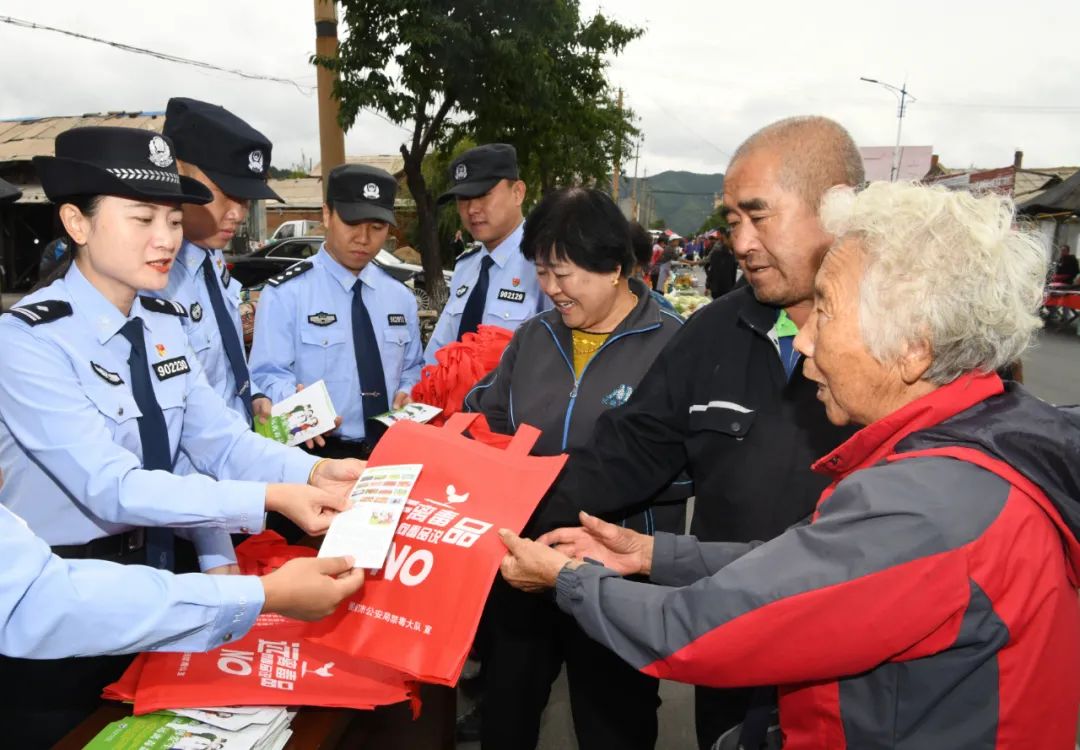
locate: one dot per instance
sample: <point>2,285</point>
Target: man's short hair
<point>815,154</point>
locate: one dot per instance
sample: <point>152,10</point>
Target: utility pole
<point>634,195</point>
<point>331,137</point>
<point>615,173</point>
<point>902,96</point>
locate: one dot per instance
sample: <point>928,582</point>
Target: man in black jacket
<point>727,400</point>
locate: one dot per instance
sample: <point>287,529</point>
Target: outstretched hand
<point>623,550</point>
<point>528,565</point>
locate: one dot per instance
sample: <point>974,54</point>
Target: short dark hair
<point>642,242</point>
<point>581,225</point>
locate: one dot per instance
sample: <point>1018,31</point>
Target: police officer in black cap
<point>492,284</point>
<point>232,160</point>
<point>341,318</point>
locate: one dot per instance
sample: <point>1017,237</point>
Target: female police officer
<point>99,393</point>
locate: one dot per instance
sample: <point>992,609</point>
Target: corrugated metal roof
<point>1031,183</point>
<point>21,140</point>
<point>392,163</point>
<point>307,192</point>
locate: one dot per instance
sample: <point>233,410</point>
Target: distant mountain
<point>682,199</point>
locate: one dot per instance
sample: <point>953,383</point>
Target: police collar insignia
<point>195,310</point>
<point>160,154</point>
<point>395,319</point>
<point>461,172</point>
<point>111,378</point>
<point>322,319</point>
<point>461,290</point>
<point>511,295</point>
<point>170,368</point>
<point>371,191</point>
<point>255,161</point>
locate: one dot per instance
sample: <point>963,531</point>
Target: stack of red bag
<point>461,364</point>
<point>273,665</point>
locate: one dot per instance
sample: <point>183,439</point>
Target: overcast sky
<point>989,76</point>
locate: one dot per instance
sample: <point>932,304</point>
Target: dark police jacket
<point>716,402</point>
<point>535,384</point>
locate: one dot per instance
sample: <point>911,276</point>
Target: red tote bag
<point>420,612</point>
<point>274,664</point>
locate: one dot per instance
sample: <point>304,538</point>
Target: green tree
<point>658,224</point>
<point>443,67</point>
<point>570,128</point>
<point>716,220</point>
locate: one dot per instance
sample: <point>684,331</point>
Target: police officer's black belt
<point>115,547</point>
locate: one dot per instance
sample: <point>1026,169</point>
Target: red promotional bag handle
<point>520,444</point>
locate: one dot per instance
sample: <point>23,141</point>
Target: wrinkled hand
<point>337,476</point>
<point>310,508</point>
<point>308,588</point>
<point>401,400</point>
<point>530,566</point>
<point>623,550</point>
<point>232,569</point>
<point>318,439</point>
<point>261,407</point>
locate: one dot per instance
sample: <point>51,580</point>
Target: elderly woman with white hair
<point>930,602</point>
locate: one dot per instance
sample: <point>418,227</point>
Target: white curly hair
<point>946,267</point>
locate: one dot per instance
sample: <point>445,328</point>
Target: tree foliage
<point>527,72</point>
<point>716,220</point>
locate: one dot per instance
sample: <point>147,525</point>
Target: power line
<point>306,91</point>
<point>1035,109</point>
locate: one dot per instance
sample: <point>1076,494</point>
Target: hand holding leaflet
<point>365,530</point>
<point>305,415</point>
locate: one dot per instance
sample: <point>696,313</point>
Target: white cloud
<point>703,77</point>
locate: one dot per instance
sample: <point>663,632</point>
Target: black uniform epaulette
<point>291,273</point>
<point>166,306</point>
<point>470,251</point>
<point>42,312</point>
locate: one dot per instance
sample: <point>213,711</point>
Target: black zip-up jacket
<point>535,384</point>
<point>717,403</point>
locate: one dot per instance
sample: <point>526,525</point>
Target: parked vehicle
<point>252,270</point>
<point>297,228</point>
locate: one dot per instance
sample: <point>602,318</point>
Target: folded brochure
<point>302,416</point>
<point>165,731</point>
<point>366,529</point>
<point>414,412</point>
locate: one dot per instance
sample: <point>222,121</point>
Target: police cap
<point>126,162</point>
<point>479,169</point>
<point>362,193</point>
<point>230,152</point>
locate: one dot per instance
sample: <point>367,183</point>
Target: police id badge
<point>170,368</point>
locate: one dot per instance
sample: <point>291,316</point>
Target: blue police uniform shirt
<point>69,435</point>
<point>513,295</point>
<point>303,334</point>
<point>53,608</point>
<point>187,286</point>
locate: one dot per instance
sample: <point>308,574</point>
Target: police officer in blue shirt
<point>494,284</point>
<point>232,160</point>
<point>100,392</point>
<point>52,608</point>
<point>341,318</point>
